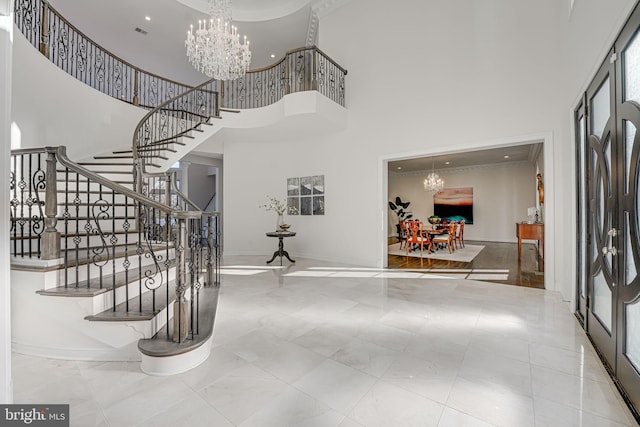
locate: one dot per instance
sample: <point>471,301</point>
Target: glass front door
<point>602,160</point>
<point>608,244</point>
<point>627,123</point>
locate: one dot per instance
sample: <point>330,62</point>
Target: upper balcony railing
<point>300,70</point>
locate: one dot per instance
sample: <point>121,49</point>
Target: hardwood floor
<point>497,262</point>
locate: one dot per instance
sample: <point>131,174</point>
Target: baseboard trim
<point>80,354</point>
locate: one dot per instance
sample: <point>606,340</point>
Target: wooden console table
<point>281,252</point>
<point>529,232</point>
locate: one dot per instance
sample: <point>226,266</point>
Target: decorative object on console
<point>434,220</point>
<point>279,207</point>
<point>540,189</point>
<point>454,204</point>
<point>306,194</point>
<point>215,48</point>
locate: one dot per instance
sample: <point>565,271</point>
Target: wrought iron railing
<point>110,238</point>
<point>300,70</point>
<point>87,61</point>
<point>156,135</point>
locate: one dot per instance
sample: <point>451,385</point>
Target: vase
<point>279,222</point>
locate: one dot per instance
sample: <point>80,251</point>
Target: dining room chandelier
<point>433,183</point>
<point>215,48</point>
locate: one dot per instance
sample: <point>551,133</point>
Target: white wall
<point>501,196</point>
<point>6,48</point>
<point>202,186</point>
<point>424,76</point>
<point>51,108</point>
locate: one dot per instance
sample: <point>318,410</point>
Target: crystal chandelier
<point>433,183</point>
<point>215,48</point>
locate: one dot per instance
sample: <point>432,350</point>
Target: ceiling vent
<point>141,31</point>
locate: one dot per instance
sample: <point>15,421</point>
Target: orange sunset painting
<point>454,204</point>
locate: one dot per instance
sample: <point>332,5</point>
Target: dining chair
<point>417,236</point>
<point>403,227</point>
<point>447,239</point>
<point>459,239</point>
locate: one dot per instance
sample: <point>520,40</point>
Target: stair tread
<point>84,180</point>
<point>71,192</point>
<point>161,346</point>
<point>71,235</point>
<point>160,149</point>
<point>114,156</point>
<point>116,205</point>
<point>91,287</point>
<point>103,164</point>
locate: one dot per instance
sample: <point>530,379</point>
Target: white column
<point>6,40</point>
<point>184,180</point>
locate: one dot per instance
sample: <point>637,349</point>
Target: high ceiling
<point>272,26</point>
<point>515,153</point>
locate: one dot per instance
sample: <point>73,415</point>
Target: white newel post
<point>6,40</point>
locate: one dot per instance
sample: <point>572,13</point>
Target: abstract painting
<point>454,204</point>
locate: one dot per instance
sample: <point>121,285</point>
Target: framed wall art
<point>454,204</point>
<point>306,195</point>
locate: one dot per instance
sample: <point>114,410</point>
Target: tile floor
<point>319,344</point>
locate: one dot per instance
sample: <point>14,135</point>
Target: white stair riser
<point>117,176</point>
<point>83,197</point>
<point>94,240</point>
<point>104,301</point>
<point>96,210</point>
<point>124,180</point>
<point>92,270</point>
<point>115,166</point>
<point>69,227</point>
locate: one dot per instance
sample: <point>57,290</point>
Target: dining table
<point>436,232</point>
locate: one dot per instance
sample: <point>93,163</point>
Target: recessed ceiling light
<point>506,157</point>
<point>399,167</point>
<point>148,18</point>
<point>273,55</point>
<point>447,163</point>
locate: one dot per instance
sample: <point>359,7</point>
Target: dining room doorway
<point>504,183</point>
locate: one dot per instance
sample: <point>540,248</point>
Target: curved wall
<point>52,108</point>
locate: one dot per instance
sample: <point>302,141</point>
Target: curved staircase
<point>110,260</point>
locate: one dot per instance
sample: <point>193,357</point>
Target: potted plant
<point>399,208</point>
<point>434,220</point>
<point>279,207</point>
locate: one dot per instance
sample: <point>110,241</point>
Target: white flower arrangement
<point>279,206</point>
